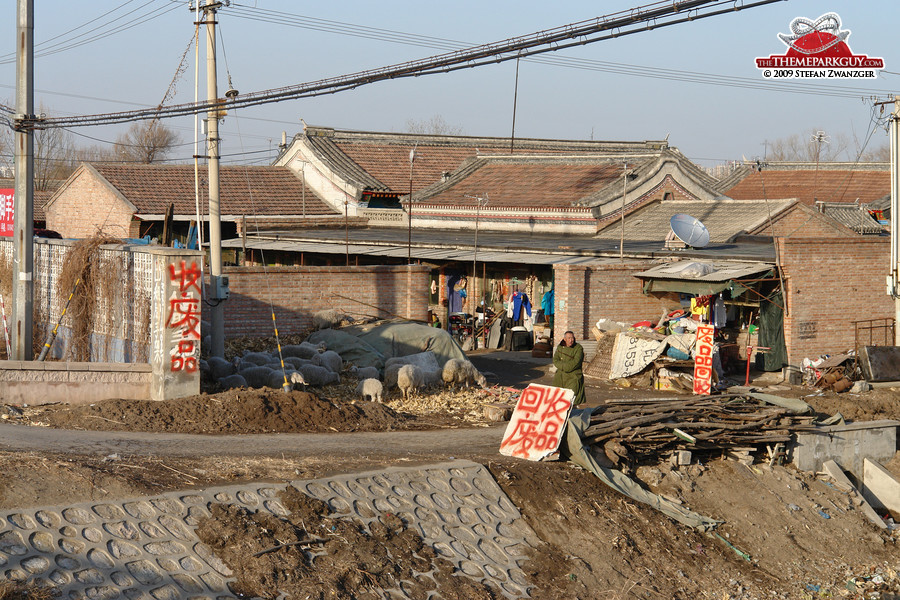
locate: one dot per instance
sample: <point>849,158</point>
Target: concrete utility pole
<point>894,277</point>
<point>23,228</point>
<point>218,285</point>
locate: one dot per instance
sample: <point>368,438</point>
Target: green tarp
<point>771,334</point>
<point>389,339</point>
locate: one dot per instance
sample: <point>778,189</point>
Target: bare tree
<point>145,142</point>
<point>809,146</point>
<point>436,125</point>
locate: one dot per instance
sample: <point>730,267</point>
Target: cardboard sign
<point>7,212</point>
<point>703,359</point>
<point>631,355</point>
<point>538,422</point>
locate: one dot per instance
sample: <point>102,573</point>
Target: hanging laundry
<point>700,308</point>
<point>719,313</point>
<point>547,303</point>
<point>520,301</point>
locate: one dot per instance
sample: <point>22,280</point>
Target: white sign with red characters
<point>7,212</point>
<point>538,422</point>
<point>703,359</point>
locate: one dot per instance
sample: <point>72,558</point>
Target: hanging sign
<point>703,359</point>
<point>7,212</point>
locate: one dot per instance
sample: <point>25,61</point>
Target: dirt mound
<point>874,405</point>
<point>599,544</point>
<point>236,411</point>
<point>310,555</point>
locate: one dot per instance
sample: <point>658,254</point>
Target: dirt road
<point>439,443</point>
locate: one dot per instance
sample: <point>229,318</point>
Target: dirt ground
<point>774,541</point>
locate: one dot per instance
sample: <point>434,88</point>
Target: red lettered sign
<point>703,359</point>
<point>7,212</point>
<point>538,422</point>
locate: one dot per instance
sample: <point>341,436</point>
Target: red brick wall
<point>85,206</point>
<point>830,283</point>
<point>299,292</point>
<point>586,294</point>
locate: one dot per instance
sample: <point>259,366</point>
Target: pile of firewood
<point>645,429</point>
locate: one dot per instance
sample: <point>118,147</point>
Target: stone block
<point>834,470</point>
<point>880,487</point>
<point>848,445</point>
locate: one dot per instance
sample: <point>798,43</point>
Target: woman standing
<point>568,359</point>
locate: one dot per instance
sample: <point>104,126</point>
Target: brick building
<point>130,201</point>
<point>532,185</point>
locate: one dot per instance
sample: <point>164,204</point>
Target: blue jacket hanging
<point>520,301</point>
<point>547,303</point>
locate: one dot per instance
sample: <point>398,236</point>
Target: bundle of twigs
<point>647,427</point>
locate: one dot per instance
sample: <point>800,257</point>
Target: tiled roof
<point>857,219</point>
<point>380,161</point>
<point>527,183</point>
<point>808,184</point>
<point>243,190</point>
<point>724,219</point>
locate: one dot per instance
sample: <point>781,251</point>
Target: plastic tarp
<point>351,348</point>
<point>576,452</point>
<point>771,334</point>
<point>402,338</point>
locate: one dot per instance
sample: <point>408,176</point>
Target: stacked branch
<point>651,427</point>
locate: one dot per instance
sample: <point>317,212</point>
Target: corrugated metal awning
<point>426,254</point>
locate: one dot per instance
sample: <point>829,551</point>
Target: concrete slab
<point>880,487</point>
<point>147,547</point>
<point>848,445</point>
<point>880,363</point>
<point>834,470</point>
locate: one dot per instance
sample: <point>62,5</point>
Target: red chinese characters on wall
<point>703,360</point>
<point>184,316</point>
<point>538,422</point>
<point>7,212</point>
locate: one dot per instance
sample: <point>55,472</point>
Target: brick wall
<point>86,205</point>
<point>586,294</point>
<point>299,292</point>
<point>830,283</point>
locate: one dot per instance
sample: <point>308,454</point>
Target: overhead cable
<point>636,20</point>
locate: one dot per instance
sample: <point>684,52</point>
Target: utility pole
<point>23,227</point>
<point>894,277</point>
<point>218,284</point>
<point>622,216</point>
<point>412,158</point>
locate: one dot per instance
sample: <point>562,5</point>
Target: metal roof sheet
<point>722,271</point>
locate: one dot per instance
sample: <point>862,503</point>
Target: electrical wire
<point>636,20</point>
<point>393,36</point>
<point>74,29</point>
<point>135,20</point>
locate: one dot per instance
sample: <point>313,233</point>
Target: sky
<point>103,56</point>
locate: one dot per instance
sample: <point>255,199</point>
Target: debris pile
<point>310,553</point>
<point>645,429</point>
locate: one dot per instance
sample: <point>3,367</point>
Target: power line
<point>637,20</point>
<point>393,36</point>
<point>135,19</point>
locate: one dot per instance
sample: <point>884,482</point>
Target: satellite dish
<point>689,230</point>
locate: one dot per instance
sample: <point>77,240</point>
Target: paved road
<point>441,442</point>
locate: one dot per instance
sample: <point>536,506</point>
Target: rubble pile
<point>645,429</point>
